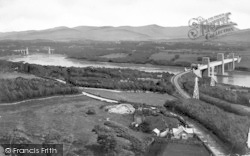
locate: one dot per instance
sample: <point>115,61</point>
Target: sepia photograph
<point>124,78</point>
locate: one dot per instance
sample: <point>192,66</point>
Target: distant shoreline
<point>243,69</point>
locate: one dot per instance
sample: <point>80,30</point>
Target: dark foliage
<point>107,141</point>
<point>91,111</point>
<point>145,127</point>
<point>114,131</point>
<point>21,89</point>
<point>217,92</point>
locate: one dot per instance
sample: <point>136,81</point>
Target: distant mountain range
<point>105,33</point>
<point>109,33</point>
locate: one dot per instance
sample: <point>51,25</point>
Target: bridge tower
<point>50,51</point>
<point>206,60</point>
<point>27,51</point>
<point>196,89</point>
<point>221,68</point>
<point>231,65</point>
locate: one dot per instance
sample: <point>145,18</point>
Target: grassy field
<point>64,119</point>
<point>175,149</point>
<point>139,97</point>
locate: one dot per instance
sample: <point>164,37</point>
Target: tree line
<point>109,78</point>
<point>20,89</point>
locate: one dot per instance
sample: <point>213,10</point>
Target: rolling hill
<point>109,33</point>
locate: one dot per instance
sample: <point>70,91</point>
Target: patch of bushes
<point>114,129</point>
<point>91,111</point>
<point>145,127</point>
<point>107,141</point>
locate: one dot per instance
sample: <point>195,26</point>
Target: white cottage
<point>183,133</point>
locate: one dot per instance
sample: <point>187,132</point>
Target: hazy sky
<point>16,15</point>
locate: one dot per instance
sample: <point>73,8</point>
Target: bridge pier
<point>23,51</point>
<point>221,68</point>
<point>231,65</point>
<point>206,60</point>
<point>27,51</point>
<point>212,71</point>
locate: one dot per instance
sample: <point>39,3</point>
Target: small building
<point>159,76</point>
<point>162,133</point>
<point>182,133</point>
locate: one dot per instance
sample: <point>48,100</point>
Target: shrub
<point>138,147</point>
<point>91,111</point>
<point>145,127</point>
<point>107,141</point>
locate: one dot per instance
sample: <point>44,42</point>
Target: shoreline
<point>244,69</point>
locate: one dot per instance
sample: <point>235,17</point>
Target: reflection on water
<point>235,78</point>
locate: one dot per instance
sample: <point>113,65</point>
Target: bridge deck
<point>217,63</point>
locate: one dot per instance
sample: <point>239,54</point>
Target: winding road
<point>174,81</point>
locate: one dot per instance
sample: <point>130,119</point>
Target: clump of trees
<point>6,66</point>
<point>108,142</point>
<point>177,56</point>
<point>108,138</point>
<point>231,128</point>
<point>145,127</point>
<point>20,89</point>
